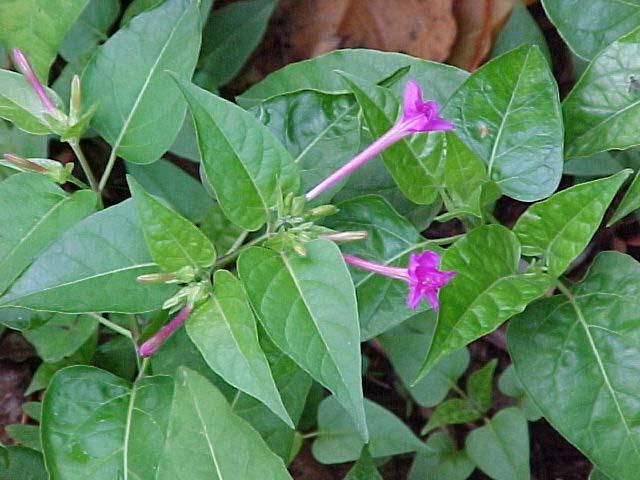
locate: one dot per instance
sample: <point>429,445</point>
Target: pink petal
<point>432,298</point>
<point>411,98</point>
<point>413,296</point>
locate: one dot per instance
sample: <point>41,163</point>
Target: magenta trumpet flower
<point>422,276</point>
<point>416,116</point>
<point>22,63</point>
<point>152,344</point>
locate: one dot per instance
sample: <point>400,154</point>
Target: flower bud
<point>345,236</point>
<point>56,171</point>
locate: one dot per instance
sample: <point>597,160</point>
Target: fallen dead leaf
<point>478,23</point>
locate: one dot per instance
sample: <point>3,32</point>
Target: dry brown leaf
<point>478,23</point>
<point>300,29</point>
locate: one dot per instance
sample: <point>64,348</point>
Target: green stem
<point>445,240</point>
<point>75,146</point>
<point>78,183</point>
<point>109,324</point>
<point>564,289</point>
<point>107,171</point>
<point>238,242</point>
<point>142,369</point>
<point>230,257</point>
<point>306,436</point>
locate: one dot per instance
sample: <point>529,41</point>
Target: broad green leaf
<point>20,105</point>
<point>21,463</point>
<point>294,385</point>
<point>38,211</point>
<point>486,291</point>
<point>61,335</point>
<point>96,425</point>
<point>62,84</point>
<point>338,440</point>
<point>179,351</point>
<point>500,448</point>
<point>451,412</point>
<point>136,7</point>
<point>597,475</point>
<point>118,356</point>
<point>26,145</point>
<point>601,110</point>
<point>173,241</point>
<point>520,29</point>
<point>90,29</point>
<point>508,113</point>
<point>443,462</point>
<point>140,109</point>
<point>390,239</point>
<point>25,435</point>
<point>320,131</point>
<point>33,409</point>
<point>318,74</point>
<point>186,143</point>
<point>243,161</point>
<point>406,346</point>
<point>415,164</point>
<point>230,35</point>
<point>37,27</point>
<point>464,175</point>
<point>201,428</point>
<point>92,267</point>
<point>603,163</point>
<point>224,330</point>
<point>629,203</point>
<point>589,27</point>
<point>364,468</point>
<point>180,190</point>
<point>220,230</point>
<point>560,227</point>
<point>314,297</point>
<point>480,385</point>
<point>578,359</point>
<point>510,385</point>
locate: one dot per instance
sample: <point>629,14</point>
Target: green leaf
<point>390,239</point>
<point>464,175</point>
<point>22,463</point>
<point>314,297</point>
<point>320,131</point>
<point>318,74</point>
<point>92,267</point>
<point>597,475</point>
<point>601,110</point>
<point>560,227</point>
<point>201,427</point>
<point>629,203</point>
<point>244,162</point>
<point>231,34</point>
<point>294,385</point>
<point>364,468</point>
<point>19,103</point>
<point>578,359</point>
<point>118,356</point>
<point>181,191</point>
<point>500,448</point>
<point>480,385</point>
<point>136,7</point>
<point>25,435</point>
<point>520,29</point>
<point>173,241</point>
<point>33,410</point>
<point>13,140</point>
<point>452,412</point>
<point>61,335</point>
<point>508,113</point>
<point>90,29</point>
<point>96,425</point>
<point>39,211</point>
<point>406,346</point>
<point>414,163</point>
<point>225,332</point>
<point>37,27</point>
<point>140,109</point>
<point>443,462</point>
<point>603,163</point>
<point>589,30</point>
<point>510,385</point>
<point>338,440</point>
<point>186,143</point>
<point>220,230</point>
<point>486,291</point>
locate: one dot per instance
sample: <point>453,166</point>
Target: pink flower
<point>421,274</point>
<point>22,63</point>
<point>152,344</point>
<point>416,116</point>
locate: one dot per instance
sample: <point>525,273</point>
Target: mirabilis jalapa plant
<point>198,328</point>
